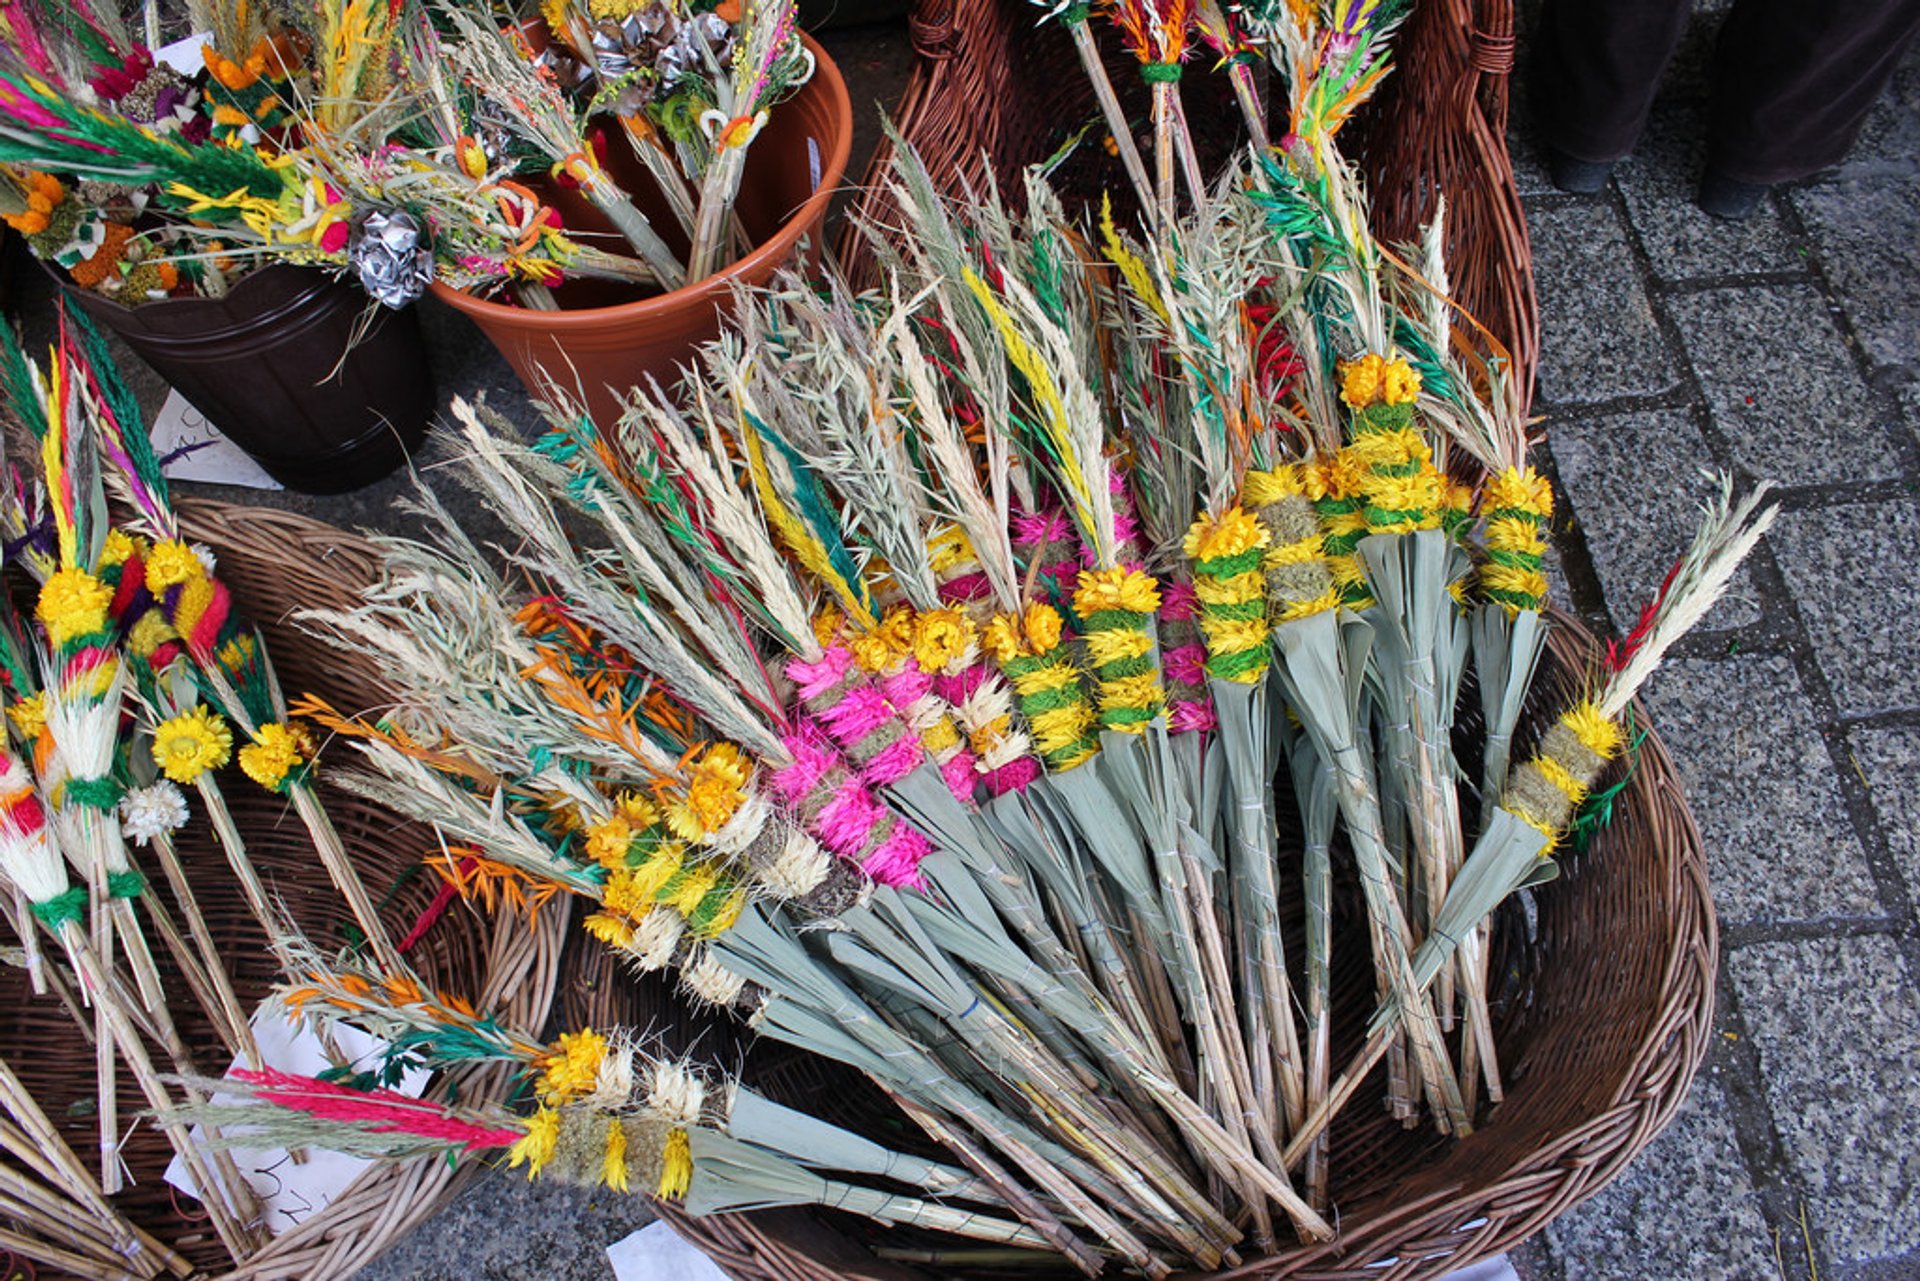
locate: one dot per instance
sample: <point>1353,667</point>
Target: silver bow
<point>389,253</point>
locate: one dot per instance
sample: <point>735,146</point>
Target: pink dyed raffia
<point>812,758</point>
<point>1014,776</point>
<point>897,860</point>
<point>907,686</point>
<point>1185,664</point>
<point>964,588</point>
<point>815,679</point>
<point>849,818</point>
<point>1191,716</point>
<point>1178,600</point>
<point>860,711</point>
<point>381,1111</point>
<point>894,762</point>
<point>958,773</point>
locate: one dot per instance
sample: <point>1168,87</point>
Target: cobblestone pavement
<point>1786,347</point>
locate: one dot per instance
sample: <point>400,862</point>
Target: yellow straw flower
<point>276,751</point>
<point>1361,380</point>
<point>191,743</point>
<point>941,637</point>
<point>569,1069</point>
<point>171,562</point>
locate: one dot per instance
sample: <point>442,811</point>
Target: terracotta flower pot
<point>609,337</point>
<point>275,366</point>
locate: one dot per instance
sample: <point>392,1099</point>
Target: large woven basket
<point>992,93</point>
<point>1603,1013</point>
<point>275,563</point>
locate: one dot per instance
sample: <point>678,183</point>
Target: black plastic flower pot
<point>280,366</point>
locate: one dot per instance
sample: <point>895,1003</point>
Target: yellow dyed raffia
<point>1505,578</point>
<point>612,931</point>
<point>1130,264</point>
<point>1117,645</point>
<point>940,736</point>
<point>1234,589</point>
<point>1600,735</point>
<point>1329,599</point>
<point>1040,385</point>
<point>1265,488</point>
<point>695,885</point>
<point>729,912</point>
<point>613,1164</point>
<point>676,1166</point>
<point>1558,775</point>
<point>1520,491</point>
<point>535,1149</point>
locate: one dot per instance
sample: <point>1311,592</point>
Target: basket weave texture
<point>276,563</point>
<point>1603,1012</point>
<point>992,93</point>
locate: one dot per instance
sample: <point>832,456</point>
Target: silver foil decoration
<point>388,252</point>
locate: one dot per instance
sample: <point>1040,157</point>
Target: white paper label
<point>658,1253</point>
<point>290,1193</point>
<point>211,457</point>
<point>183,55</point>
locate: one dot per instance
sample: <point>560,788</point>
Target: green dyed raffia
<point>701,918</point>
<point>69,905</point>
<point>94,793</point>
<point>1232,666</point>
<point>1160,73</point>
<point>1227,566</point>
<point>127,884</point>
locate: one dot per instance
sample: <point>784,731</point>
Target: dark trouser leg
<point>1596,66</point>
<point>1793,81</point>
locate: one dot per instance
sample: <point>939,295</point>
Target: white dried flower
<point>152,811</point>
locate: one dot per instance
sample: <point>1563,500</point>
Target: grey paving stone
<point>1659,182</point>
<point>1630,481</point>
<point>1889,760</point>
<point>1781,386</point>
<point>1691,1174</point>
<point>1855,571</point>
<point>501,1227</point>
<point>1837,1023</point>
<point>1599,339</point>
<point>1779,844</point>
<point>1866,232</point>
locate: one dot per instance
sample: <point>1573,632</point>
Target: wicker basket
<point>274,563</point>
<point>1603,1013</point>
<point>991,94</point>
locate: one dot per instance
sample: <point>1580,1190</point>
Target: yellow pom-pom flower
<point>29,716</point>
<point>73,603</point>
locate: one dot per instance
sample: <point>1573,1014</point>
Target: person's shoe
<point>1579,177</point>
<point>1728,199</point>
